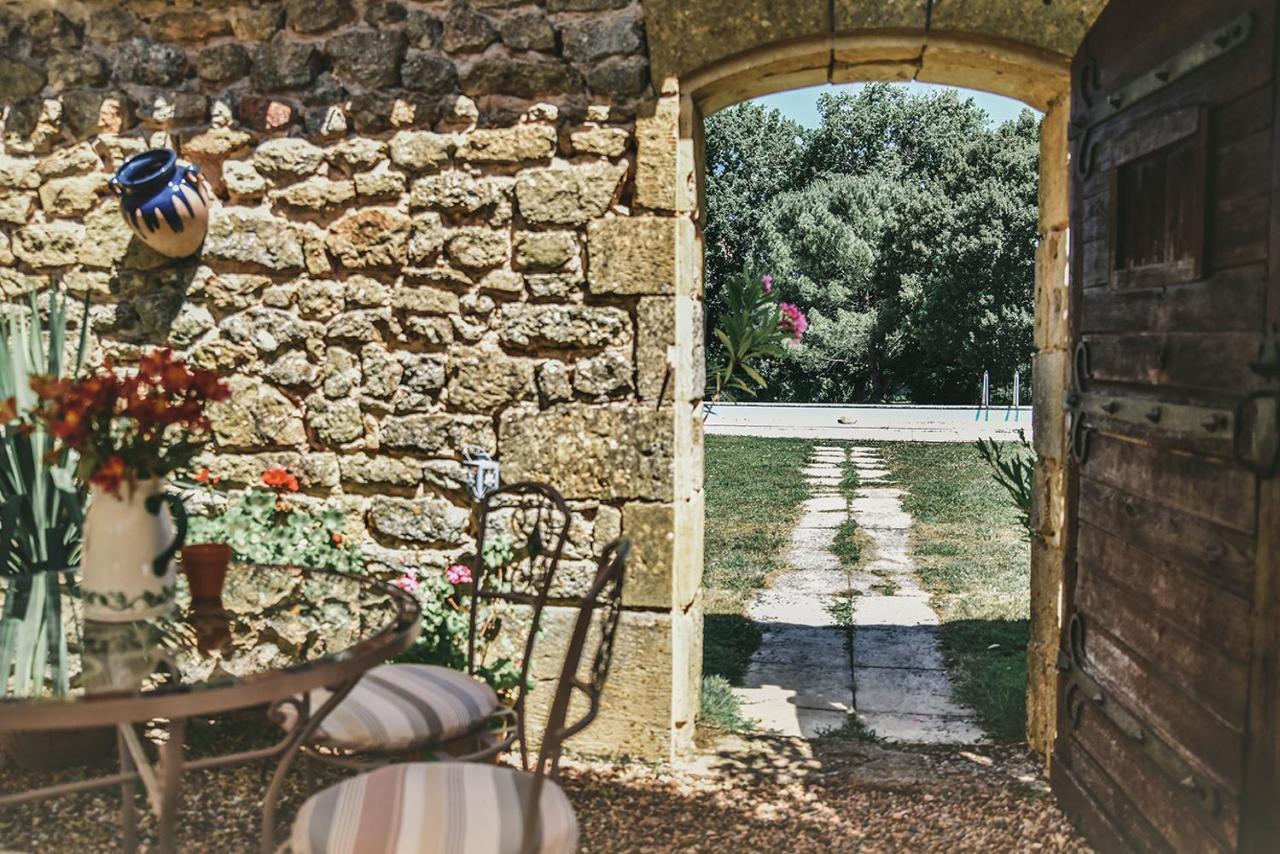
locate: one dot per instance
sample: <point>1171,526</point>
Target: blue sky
<point>801,105</point>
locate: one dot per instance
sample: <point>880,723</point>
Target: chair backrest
<point>605,600</point>
<point>522,535</point>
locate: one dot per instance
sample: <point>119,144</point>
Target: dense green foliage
<point>261,527</point>
<point>904,225</point>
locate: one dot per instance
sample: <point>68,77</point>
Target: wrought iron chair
<point>437,711</point>
<point>477,808</point>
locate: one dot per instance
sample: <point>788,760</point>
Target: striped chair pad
<point>433,808</point>
<point>400,706</point>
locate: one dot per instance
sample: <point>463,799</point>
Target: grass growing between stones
<point>974,557</point>
<point>754,496</point>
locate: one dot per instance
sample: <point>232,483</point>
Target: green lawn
<point>974,557</point>
<point>754,492</point>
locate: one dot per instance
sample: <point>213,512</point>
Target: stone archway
<point>705,59</point>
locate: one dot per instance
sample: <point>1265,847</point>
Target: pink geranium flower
<point>408,581</point>
<point>458,573</point>
<point>793,321</point>
<point>767,281</point>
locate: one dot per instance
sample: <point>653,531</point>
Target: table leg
<point>304,726</point>
<point>171,768</point>
<point>128,812</point>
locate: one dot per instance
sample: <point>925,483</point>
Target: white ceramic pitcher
<point>126,557</point>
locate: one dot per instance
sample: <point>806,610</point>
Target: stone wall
<point>432,233</point>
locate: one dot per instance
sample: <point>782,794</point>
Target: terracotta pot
<point>205,566</point>
<point>165,202</point>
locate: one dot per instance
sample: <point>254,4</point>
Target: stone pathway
<point>903,691</point>
<point>800,680</point>
<point>810,671</point>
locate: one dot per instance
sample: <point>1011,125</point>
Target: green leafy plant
<point>265,526</point>
<point>42,504</point>
<point>753,325</point>
<point>445,620</point>
<point>721,708</point>
<point>1014,470</point>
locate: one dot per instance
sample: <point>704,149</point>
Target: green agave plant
<point>40,506</point>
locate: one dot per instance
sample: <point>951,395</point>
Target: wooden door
<point>1166,738</point>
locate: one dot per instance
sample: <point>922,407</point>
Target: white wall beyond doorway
<point>861,422</point>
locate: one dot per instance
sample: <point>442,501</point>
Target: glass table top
<point>270,621</point>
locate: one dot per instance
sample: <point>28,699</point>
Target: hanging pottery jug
<point>165,202</point>
<point>126,556</point>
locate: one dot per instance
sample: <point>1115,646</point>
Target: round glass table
<point>276,634</point>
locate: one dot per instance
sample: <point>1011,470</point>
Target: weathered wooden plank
<point>1238,232</point>
<point>1216,362</point>
<point>1248,114</point>
<point>1218,493</point>
<point>1231,301</point>
<point>1224,556</point>
<point>1235,165</point>
<point>1169,810</point>
<point>1193,692</point>
<point>1205,611</point>
<point>1082,786</point>
<point>1166,29</point>
<point>1095,263</point>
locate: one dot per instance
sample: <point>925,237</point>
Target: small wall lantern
<point>482,471</point>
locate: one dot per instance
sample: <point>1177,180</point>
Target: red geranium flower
<point>110,474</point>
<point>280,480</point>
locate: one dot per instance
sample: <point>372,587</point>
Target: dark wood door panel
<point>1214,491</point>
<point>1082,788</point>
<point>1221,555</point>
<point>1182,824</point>
<point>1172,285</point>
<point>1203,610</point>
<point>1215,362</point>
<point>1194,692</point>
<point>1231,301</point>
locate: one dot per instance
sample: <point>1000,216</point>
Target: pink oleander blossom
<point>458,573</point>
<point>793,321</point>
<point>767,281</point>
<point>408,581</point>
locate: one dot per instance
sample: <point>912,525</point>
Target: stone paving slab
<point>923,729</point>
<point>900,611</point>
<point>906,690</point>
<point>897,646</point>
<point>772,708</point>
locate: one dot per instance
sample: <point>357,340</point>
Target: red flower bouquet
<point>131,427</point>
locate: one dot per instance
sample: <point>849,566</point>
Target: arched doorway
<point>1027,73</point>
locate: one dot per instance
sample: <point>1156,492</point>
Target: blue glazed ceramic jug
<point>165,202</point>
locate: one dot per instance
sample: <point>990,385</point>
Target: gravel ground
<point>746,794</point>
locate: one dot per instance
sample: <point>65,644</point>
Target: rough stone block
<point>252,236</point>
<point>486,379</point>
<point>442,435</point>
<point>52,244</point>
<point>509,145</point>
<point>542,251</point>
<point>634,255</point>
<point>565,194</point>
<point>602,141</point>
<point>610,453</point>
<point>636,712</point>
<point>562,326</point>
<point>370,237</point>
<point>255,415</point>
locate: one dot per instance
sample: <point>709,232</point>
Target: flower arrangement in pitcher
<point>131,427</point>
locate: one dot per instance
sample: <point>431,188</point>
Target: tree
<point>903,223</point>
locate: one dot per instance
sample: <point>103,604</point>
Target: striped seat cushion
<point>430,807</point>
<point>399,706</point>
